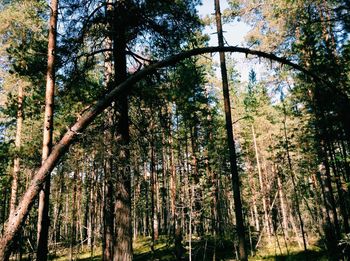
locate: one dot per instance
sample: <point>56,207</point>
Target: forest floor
<point>201,250</point>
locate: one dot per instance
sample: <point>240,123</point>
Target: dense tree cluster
<point>114,113</point>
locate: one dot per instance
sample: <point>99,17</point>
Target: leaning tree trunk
<point>43,215</point>
<point>231,143</point>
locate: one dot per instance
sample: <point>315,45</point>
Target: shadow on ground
<point>204,250</point>
<point>165,251</point>
<point>168,255</point>
<point>296,256</point>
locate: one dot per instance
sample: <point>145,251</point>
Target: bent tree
<point>16,220</point>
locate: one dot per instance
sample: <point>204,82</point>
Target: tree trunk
<point>164,189</point>
<point>197,195</point>
<point>136,198</point>
<point>215,181</point>
<point>282,203</point>
<point>341,192</point>
<point>330,200</point>
<point>233,157</point>
<point>72,235</point>
<point>122,204</point>
<point>154,228</point>
<point>57,214</point>
<point>296,192</point>
<point>345,163</point>
<point>147,222</point>
<point>254,192</point>
<point>172,176</point>
<point>108,208</point>
<point>108,203</point>
<point>43,215</point>
<point>16,161</point>
<point>262,187</point>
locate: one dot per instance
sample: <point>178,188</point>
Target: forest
<point>129,132</point>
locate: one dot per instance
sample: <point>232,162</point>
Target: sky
<point>234,33</point>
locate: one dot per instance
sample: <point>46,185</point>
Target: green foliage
<point>4,163</point>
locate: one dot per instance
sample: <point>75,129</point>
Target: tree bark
<point>154,227</point>
<point>72,235</point>
<point>172,176</point>
<point>16,161</point>
<point>164,189</point>
<point>43,212</point>
<point>108,207</point>
<point>122,204</point>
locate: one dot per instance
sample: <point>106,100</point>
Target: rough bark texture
<point>108,208</point>
<point>43,213</point>
<point>16,220</point>
<point>122,204</point>
<point>242,249</point>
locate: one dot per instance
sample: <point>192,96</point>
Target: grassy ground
<point>292,253</point>
<point>202,250</point>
